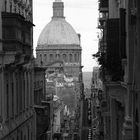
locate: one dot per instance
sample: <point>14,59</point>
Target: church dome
<point>58,31</point>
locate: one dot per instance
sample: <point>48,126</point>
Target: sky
<point>82,15</point>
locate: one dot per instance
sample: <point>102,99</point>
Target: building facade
<point>41,104</point>
<point>39,85</point>
<point>97,101</point>
<point>59,42</point>
<point>118,56</point>
<point>17,116</point>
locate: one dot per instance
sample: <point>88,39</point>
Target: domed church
<point>58,44</point>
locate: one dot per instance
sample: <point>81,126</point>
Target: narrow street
<point>69,70</point>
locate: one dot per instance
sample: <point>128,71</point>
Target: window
<point>70,57</point>
<point>20,91</point>
<point>51,57</point>
<point>45,57</point>
<point>10,6</point>
<point>78,57</point>
<point>7,99</point>
<point>12,90</point>
<point>24,92</point>
<point>40,57</point>
<point>27,93</point>
<point>65,57</point>
<point>5,5</point>
<point>17,93</point>
<point>58,56</point>
<point>31,89</point>
<point>24,137</point>
<point>75,57</point>
<point>31,135</point>
<point>21,136</point>
<point>28,133</point>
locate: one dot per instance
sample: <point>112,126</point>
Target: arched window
<point>51,57</point>
<point>45,58</point>
<point>5,5</point>
<point>75,57</point>
<point>70,57</point>
<point>40,57</point>
<point>41,61</point>
<point>11,4</point>
<point>65,57</point>
<point>58,56</point>
<point>78,57</point>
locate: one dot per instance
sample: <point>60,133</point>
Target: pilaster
<point>25,76</point>
<point>29,94</point>
<point>130,44</point>
<point>10,95</point>
<point>138,65</point>
<point>1,90</point>
<point>32,87</point>
<point>2,96</point>
<point>127,129</point>
<point>113,119</point>
<point>22,76</point>
<point>15,102</point>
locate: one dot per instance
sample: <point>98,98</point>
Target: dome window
<point>70,57</point>
<point>65,57</point>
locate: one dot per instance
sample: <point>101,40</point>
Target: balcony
<point>16,38</point>
<point>102,19</point>
<point>102,46</point>
<point>113,55</point>
<point>17,33</point>
<point>117,90</point>
<point>101,25</point>
<point>103,5</point>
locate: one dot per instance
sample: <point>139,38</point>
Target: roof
<point>58,32</point>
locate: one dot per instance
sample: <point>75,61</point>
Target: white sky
<point>82,15</point>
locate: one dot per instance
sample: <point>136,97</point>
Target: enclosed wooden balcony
<point>103,5</point>
<point>16,38</point>
<point>16,34</point>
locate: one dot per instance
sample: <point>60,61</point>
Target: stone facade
<point>16,71</point>
<point>41,104</point>
<point>118,56</point>
<point>39,85</point>
<point>59,42</point>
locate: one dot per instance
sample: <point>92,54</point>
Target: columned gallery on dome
<point>59,43</point>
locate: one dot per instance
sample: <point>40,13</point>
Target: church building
<point>59,45</point>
